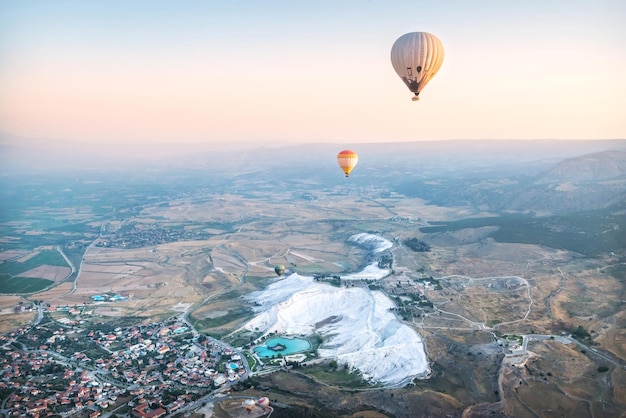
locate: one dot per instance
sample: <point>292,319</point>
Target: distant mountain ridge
<point>588,182</point>
<point>423,158</point>
<point>542,176</point>
<point>595,180</point>
<point>591,167</point>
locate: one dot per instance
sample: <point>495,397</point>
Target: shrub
<point>417,245</point>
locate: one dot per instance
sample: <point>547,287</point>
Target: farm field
<point>31,272</point>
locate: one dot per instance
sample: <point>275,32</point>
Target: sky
<point>292,72</point>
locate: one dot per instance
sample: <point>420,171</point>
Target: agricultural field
<point>32,272</point>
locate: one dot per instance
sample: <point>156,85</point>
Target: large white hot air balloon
<point>416,57</point>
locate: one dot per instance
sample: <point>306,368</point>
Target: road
<point>568,339</point>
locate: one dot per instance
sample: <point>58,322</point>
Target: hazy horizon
<point>20,157</point>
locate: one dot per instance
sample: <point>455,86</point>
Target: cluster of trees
<point>416,245</point>
<point>325,276</point>
<point>581,333</point>
<point>385,261</point>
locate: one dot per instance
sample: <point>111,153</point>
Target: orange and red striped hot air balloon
<point>347,159</point>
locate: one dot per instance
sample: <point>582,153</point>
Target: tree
<point>581,333</point>
<point>417,245</point>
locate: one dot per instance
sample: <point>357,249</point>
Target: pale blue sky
<point>314,71</point>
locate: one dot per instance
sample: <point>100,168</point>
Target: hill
<point>588,182</point>
<point>585,182</point>
<point>599,166</point>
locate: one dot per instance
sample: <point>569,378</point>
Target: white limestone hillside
<point>371,242</point>
<point>357,326</point>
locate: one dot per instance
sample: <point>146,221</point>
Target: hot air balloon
<point>347,159</point>
<point>416,57</point>
<point>249,404</point>
<point>263,402</point>
<point>279,269</point>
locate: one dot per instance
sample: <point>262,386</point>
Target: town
<point>152,370</point>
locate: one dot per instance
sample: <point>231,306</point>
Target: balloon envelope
<point>279,269</point>
<point>249,404</point>
<point>416,57</point>
<point>347,159</point>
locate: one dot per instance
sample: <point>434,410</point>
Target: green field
<point>236,314</point>
<point>46,257</point>
<point>336,376</point>
<point>590,233</point>
<point>11,285</point>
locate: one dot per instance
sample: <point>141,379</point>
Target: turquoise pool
<point>283,346</point>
